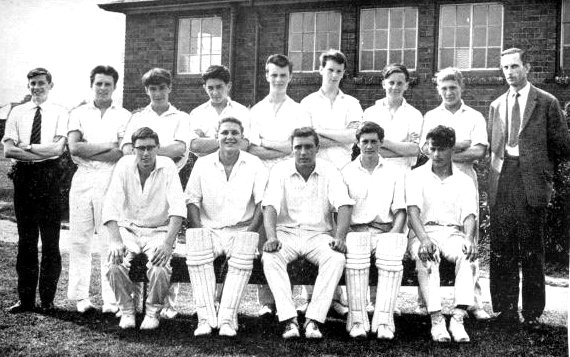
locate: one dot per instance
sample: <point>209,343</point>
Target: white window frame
<point>296,68</point>
<point>388,49</point>
<point>491,67</point>
<point>565,12</point>
<point>212,55</point>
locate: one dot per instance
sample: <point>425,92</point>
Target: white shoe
<point>302,309</point>
<point>384,333</point>
<point>203,329</point>
<point>370,309</point>
<point>398,312</point>
<point>456,327</point>
<point>168,313</point>
<point>439,331</point>
<point>421,310</point>
<point>227,330</point>
<point>291,331</point>
<point>149,323</point>
<point>265,310</point>
<point>127,321</point>
<point>119,313</point>
<point>110,309</point>
<point>312,330</point>
<point>339,308</point>
<point>357,331</point>
<point>84,306</point>
<point>479,314</point>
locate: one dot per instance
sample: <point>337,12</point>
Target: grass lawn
<point>67,333</point>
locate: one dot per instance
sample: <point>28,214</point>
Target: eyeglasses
<point>143,148</point>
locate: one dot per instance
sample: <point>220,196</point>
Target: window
<point>470,36</point>
<point>388,36</point>
<point>565,36</point>
<point>310,34</point>
<point>199,44</point>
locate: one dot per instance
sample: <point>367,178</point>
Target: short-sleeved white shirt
<point>226,202</point>
<point>306,205</point>
<point>172,125</point>
<point>378,195</point>
<point>206,118</point>
<point>406,121</point>
<point>126,202</point>
<point>344,110</point>
<point>87,120</point>
<point>443,202</point>
<point>19,123</point>
<point>468,124</point>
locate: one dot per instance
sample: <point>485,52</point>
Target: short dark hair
<point>369,127</point>
<point>144,133</point>
<point>217,72</point>
<point>157,76</point>
<point>450,74</point>
<point>280,61</point>
<point>305,132</point>
<point>392,68</point>
<point>442,136</point>
<point>230,120</point>
<point>333,55</point>
<point>512,50</point>
<point>106,70</point>
<point>39,72</point>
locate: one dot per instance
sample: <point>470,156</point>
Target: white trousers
<point>450,244</point>
<point>315,248</point>
<point>137,240</point>
<point>86,195</point>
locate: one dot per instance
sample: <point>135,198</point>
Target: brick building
<point>185,36</point>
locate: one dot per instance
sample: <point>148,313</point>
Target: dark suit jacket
<point>543,141</point>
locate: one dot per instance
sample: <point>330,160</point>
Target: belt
<point>510,158</point>
<point>432,223</point>
<point>377,225</point>
<point>38,164</point>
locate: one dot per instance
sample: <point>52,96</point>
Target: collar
<point>461,109</point>
<point>228,104</point>
<point>161,163</point>
<point>91,105</point>
<point>523,92</point>
<point>340,94</point>
<point>292,169</point>
<point>454,171</point>
<point>384,102</point>
<point>170,111</point>
<point>358,163</point>
<point>216,159</point>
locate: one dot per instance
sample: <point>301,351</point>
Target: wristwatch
<point>28,148</point>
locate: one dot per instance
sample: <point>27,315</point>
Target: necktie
<point>36,136</point>
<point>515,123</point>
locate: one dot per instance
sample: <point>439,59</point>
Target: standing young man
<point>35,138</point>
<point>95,131</point>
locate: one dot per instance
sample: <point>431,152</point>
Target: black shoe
<point>20,307</point>
<point>508,318</point>
<point>47,308</point>
<point>532,323</point>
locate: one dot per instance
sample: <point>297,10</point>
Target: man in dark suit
<point>528,136</point>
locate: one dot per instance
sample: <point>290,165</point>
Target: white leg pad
<point>200,261</point>
<point>390,251</point>
<point>357,271</point>
<point>240,266</point>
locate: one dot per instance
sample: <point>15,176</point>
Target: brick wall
<point>151,41</point>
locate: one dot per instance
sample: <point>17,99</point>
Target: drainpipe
<point>256,55</point>
<point>233,20</point>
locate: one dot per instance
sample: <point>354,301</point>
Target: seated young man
<point>301,195</point>
<point>442,211</point>
<point>223,196</point>
<point>143,211</point>
<point>378,217</point>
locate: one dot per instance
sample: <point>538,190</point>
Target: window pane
<point>366,19</point>
<point>295,42</point>
<point>194,64</point>
<point>380,60</point>
<point>308,22</point>
<point>411,16</point>
<point>447,37</point>
<point>463,15</point>
<point>184,37</point>
<point>296,22</point>
<point>478,58</point>
<point>308,43</point>
<point>446,58</point>
<point>462,58</point>
<point>493,58</point>
<point>195,28</point>
<point>462,37</point>
<point>410,59</point>
<point>206,60</point>
<point>494,36</point>
<point>207,26</point>
<point>395,57</point>
<point>447,16</point>
<point>307,61</point>
<point>217,59</point>
<point>479,37</point>
<point>322,21</point>
<point>322,42</point>
<point>334,40</point>
<point>566,58</point>
<point>295,58</point>
<point>334,21</point>
<point>480,15</point>
<point>410,39</point>
<point>566,39</point>
<point>182,64</point>
<point>217,27</point>
<point>396,38</point>
<point>367,40</point>
<point>381,41</point>
<point>396,18</point>
<point>216,45</point>
<point>381,18</point>
<point>495,15</point>
<point>366,60</point>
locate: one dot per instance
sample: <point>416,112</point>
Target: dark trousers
<point>38,212</point>
<point>517,236</point>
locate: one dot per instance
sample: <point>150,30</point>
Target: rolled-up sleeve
<point>114,200</point>
<point>274,193</point>
<point>193,194</point>
<point>174,194</point>
<point>260,183</point>
<point>337,190</point>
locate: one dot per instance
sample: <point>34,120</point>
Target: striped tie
<point>36,136</point>
<point>515,122</point>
